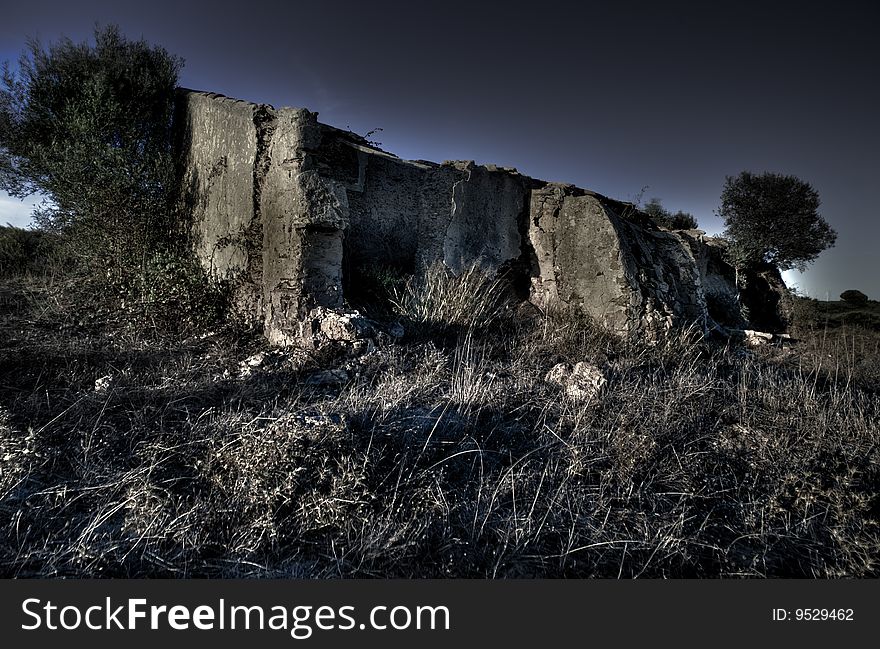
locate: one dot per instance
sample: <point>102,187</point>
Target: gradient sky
<point>668,96</point>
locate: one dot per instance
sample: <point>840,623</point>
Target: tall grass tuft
<point>439,299</point>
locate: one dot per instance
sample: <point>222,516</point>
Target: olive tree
<point>773,219</point>
<point>89,126</point>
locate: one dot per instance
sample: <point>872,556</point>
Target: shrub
<point>854,296</point>
<point>90,126</point>
<point>666,219</point>
<point>30,252</point>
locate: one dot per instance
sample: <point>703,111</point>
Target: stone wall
<point>286,210</point>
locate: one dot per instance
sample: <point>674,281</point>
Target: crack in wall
<point>264,125</point>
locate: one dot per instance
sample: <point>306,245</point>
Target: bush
<point>854,296</point>
<point>665,219</point>
<point>29,252</point>
<point>90,126</point>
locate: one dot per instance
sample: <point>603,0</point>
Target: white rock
<point>584,381</point>
<point>103,384</point>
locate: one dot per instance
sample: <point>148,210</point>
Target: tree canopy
<point>773,219</point>
<point>90,127</point>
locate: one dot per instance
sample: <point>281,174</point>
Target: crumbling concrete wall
<point>304,216</point>
<point>627,275</point>
<point>483,226</point>
<point>265,220</point>
<point>218,141</point>
<point>581,263</point>
<point>718,277</point>
<point>286,210</point>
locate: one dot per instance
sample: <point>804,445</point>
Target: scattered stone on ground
<point>395,330</point>
<point>754,338</point>
<point>103,384</point>
<point>583,381</point>
<point>325,325</point>
<point>274,360</point>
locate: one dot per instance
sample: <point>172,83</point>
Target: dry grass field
<point>131,449</point>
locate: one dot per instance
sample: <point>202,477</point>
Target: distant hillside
<point>837,313</point>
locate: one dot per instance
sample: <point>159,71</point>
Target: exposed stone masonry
<point>286,210</point>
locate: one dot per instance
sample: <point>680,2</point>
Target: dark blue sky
<point>672,96</point>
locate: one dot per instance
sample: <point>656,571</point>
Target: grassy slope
<point>446,454</point>
<point>833,314</point>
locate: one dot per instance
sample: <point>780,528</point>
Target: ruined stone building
<point>286,209</point>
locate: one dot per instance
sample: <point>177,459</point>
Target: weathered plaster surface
<point>284,208</point>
